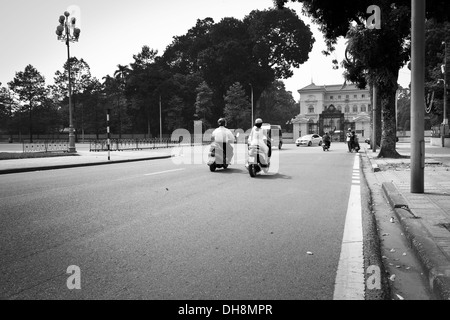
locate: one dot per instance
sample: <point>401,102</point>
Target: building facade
<point>333,108</point>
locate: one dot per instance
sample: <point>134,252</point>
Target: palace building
<point>334,109</point>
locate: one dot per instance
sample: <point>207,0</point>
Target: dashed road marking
<point>162,172</point>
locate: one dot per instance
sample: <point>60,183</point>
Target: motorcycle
<point>257,160</point>
<point>326,146</point>
<point>216,157</point>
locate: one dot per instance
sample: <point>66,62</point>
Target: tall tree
<point>7,107</point>
<point>277,105</point>
<point>96,102</point>
<point>121,76</point>
<point>437,34</point>
<point>404,109</point>
<point>145,77</point>
<point>29,85</point>
<point>204,103</point>
<point>258,50</point>
<point>80,75</point>
<point>237,107</point>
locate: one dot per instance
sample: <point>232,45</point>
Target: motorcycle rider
<point>350,140</point>
<point>224,137</point>
<point>327,140</point>
<point>259,138</point>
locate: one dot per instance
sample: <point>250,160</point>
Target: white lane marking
<point>349,283</point>
<point>162,172</point>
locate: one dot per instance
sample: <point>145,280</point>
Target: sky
<point>113,31</point>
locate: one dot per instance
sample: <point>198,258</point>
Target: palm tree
<point>121,75</point>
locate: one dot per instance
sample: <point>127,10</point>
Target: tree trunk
<point>378,117</point>
<point>389,128</point>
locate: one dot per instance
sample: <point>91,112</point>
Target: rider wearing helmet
<point>224,137</point>
<point>259,137</point>
<point>350,139</point>
<point>327,139</point>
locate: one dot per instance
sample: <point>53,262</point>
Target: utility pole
<point>374,118</point>
<point>417,96</point>
<point>160,121</point>
<point>251,86</point>
<point>444,76</point>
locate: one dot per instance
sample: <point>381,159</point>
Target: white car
<point>309,140</point>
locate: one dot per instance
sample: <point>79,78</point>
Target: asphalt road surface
<point>171,229</point>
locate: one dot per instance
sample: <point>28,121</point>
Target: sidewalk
<point>425,218</point>
<point>82,158</point>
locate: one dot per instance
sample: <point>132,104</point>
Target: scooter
<point>215,157</point>
<point>257,161</point>
<point>326,146</point>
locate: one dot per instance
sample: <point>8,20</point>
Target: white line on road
<point>162,172</point>
<point>349,284</point>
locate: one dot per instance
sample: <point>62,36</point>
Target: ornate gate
<point>333,121</point>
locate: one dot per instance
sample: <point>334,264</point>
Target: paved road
<point>161,230</point>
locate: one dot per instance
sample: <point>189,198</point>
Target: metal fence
<point>133,144</point>
<point>45,146</point>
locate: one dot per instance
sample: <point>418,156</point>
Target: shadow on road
<point>271,176</point>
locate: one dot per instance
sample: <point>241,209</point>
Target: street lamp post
<point>67,32</point>
<point>445,119</point>
<point>160,121</point>
<point>252,103</point>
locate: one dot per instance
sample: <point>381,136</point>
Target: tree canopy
<point>375,55</point>
<point>189,81</point>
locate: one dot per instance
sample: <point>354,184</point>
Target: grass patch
<point>33,155</point>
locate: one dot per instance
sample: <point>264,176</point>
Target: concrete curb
<point>435,263</point>
<point>375,167</point>
<point>76,165</point>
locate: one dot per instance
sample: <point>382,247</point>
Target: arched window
<point>311,109</point>
<point>355,108</point>
<point>363,108</point>
<point>347,109</point>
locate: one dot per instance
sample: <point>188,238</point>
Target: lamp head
<point>76,33</point>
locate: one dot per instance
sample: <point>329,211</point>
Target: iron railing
<point>45,146</point>
<point>135,144</point>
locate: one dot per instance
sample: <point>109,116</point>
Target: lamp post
<point>160,120</point>
<point>251,102</point>
<point>445,119</point>
<point>67,33</point>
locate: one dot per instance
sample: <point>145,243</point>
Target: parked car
<point>309,140</point>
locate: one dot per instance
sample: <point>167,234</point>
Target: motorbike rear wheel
<point>212,167</point>
<point>252,170</point>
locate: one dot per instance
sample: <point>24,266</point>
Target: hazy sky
<point>113,31</point>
